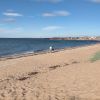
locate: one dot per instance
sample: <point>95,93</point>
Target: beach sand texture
<point>63,75</point>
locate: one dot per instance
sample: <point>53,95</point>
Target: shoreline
<point>15,56</point>
<point>67,74</point>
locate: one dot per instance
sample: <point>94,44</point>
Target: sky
<point>49,18</point>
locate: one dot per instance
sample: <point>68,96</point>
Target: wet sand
<point>63,75</point>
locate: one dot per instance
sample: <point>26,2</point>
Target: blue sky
<point>49,18</point>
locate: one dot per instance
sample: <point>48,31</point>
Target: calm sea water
<point>18,46</point>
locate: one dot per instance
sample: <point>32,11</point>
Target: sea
<point>15,46</point>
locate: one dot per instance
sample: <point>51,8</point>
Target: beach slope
<point>64,75</point>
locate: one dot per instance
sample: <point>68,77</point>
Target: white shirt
<point>50,47</point>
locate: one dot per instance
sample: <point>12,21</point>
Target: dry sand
<point>63,75</point>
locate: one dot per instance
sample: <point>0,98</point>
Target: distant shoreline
<point>95,38</point>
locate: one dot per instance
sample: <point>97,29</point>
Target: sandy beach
<point>64,75</point>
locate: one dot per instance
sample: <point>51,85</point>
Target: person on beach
<point>51,48</point>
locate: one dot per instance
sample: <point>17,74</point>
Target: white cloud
<point>48,14</point>
<point>51,28</point>
<point>50,1</point>
<point>56,13</point>
<point>62,13</point>
<point>96,1</point>
<point>14,30</point>
<point>11,13</point>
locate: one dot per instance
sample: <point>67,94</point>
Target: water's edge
<point>15,56</point>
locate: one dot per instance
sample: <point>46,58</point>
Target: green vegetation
<point>95,57</point>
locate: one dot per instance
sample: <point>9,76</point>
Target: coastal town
<point>76,38</point>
